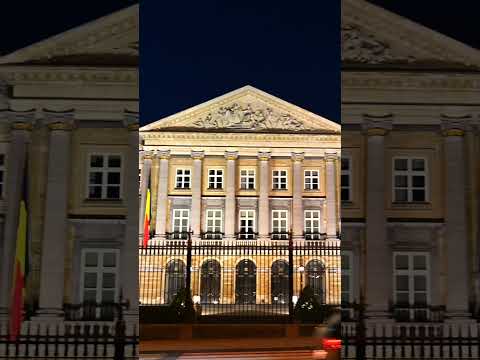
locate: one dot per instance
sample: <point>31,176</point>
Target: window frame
<point>410,173</point>
<point>216,176</point>
<point>279,236</point>
<point>311,219</point>
<point>247,177</point>
<point>279,177</point>
<point>248,236</point>
<point>182,217</point>
<point>183,176</point>
<point>214,234</point>
<point>311,177</point>
<point>104,170</point>
<point>348,173</point>
<point>3,171</point>
<point>98,269</point>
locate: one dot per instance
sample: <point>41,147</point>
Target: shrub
<point>181,307</point>
<point>308,309</point>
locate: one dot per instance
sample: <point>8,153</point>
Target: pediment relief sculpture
<point>359,47</point>
<point>246,117</point>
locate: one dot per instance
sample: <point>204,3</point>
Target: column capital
<point>130,120</point>
<point>331,155</point>
<point>163,154</point>
<point>264,155</point>
<point>231,155</point>
<point>148,155</point>
<point>377,125</point>
<point>454,125</point>
<point>298,156</point>
<point>198,154</point>
<point>59,120</point>
<point>21,120</point>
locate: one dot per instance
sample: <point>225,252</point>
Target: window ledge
<point>411,205</point>
<point>103,202</point>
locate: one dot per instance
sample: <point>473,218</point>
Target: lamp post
<point>301,269</point>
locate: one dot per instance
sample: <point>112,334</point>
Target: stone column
<point>17,153</point>
<point>129,253</point>
<point>55,229</point>
<point>456,238</point>
<point>230,186</point>
<point>196,213</point>
<point>331,194</point>
<point>378,280</point>
<point>297,201</point>
<point>162,195</point>
<point>263,198</point>
<point>145,177</point>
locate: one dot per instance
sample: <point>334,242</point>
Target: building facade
<point>69,128</point>
<point>410,170</point>
<point>241,177</point>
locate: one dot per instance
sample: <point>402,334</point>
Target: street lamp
<point>301,269</point>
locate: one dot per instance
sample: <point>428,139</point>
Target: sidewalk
<point>242,344</point>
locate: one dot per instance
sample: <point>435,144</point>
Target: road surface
<point>240,355</point>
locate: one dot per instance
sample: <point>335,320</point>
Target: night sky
<point>193,51</point>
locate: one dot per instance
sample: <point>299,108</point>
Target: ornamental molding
<point>247,117</point>
<point>70,75</point>
<point>245,109</point>
<point>374,36</point>
<point>363,48</point>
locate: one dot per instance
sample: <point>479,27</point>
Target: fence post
<point>119,340</point>
<point>290,277</point>
<point>360,338</point>
<point>188,280</point>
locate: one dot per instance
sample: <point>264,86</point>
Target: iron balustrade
<point>246,235</point>
<point>212,235</point>
<point>313,235</point>
<point>178,235</point>
<point>280,235</point>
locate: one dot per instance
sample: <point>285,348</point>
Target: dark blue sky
<point>193,51</point>
<point>196,51</point>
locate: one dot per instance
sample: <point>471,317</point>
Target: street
<point>240,355</point>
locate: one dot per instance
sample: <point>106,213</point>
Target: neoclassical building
<point>410,169</point>
<point>68,109</point>
<point>241,176</point>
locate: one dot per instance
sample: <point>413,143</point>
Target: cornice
<point>410,81</point>
<point>71,75</point>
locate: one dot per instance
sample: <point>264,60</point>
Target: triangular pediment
<point>372,36</point>
<point>110,40</point>
<point>246,110</point>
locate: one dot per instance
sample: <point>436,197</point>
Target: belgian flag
<point>148,216</point>
<point>21,265</point>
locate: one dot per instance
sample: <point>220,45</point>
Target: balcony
<point>280,235</point>
<point>178,235</point>
<point>418,313</point>
<point>92,311</point>
<point>212,235</point>
<point>313,235</point>
<point>246,235</point>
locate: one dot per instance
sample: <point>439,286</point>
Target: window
<point>312,224</point>
<point>279,225</point>
<point>311,179</point>
<point>215,178</point>
<point>346,268</point>
<point>2,175</point>
<point>409,180</point>
<point>247,179</point>
<point>182,179</point>
<point>346,180</point>
<point>181,223</point>
<point>175,274</point>
<point>99,281</point>
<point>315,276</point>
<point>247,224</point>
<point>210,280</point>
<point>104,177</point>
<point>245,282</point>
<point>411,284</point>
<point>279,282</point>
<point>214,228</point>
<point>279,179</point>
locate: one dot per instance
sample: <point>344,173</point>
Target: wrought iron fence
<point>71,341</point>
<point>245,279</point>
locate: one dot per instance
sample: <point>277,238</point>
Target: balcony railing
<point>280,235</point>
<point>178,235</point>
<point>313,235</point>
<point>92,311</point>
<point>418,313</point>
<point>212,235</point>
<point>246,235</point>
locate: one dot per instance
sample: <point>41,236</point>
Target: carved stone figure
<point>246,117</point>
<point>360,47</point>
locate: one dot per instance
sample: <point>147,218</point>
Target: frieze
<point>246,117</point>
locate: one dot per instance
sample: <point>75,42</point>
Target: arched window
<point>279,282</point>
<point>315,276</point>
<point>245,282</point>
<point>210,278</point>
<point>174,279</point>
